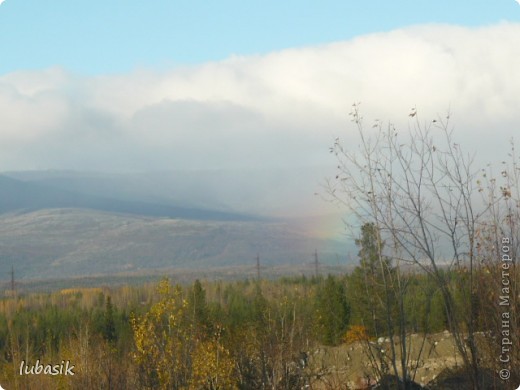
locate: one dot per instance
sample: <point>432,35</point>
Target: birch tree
<point>418,189</point>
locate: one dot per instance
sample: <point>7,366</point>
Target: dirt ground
<point>352,366</point>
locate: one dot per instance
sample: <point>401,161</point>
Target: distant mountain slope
<point>73,242</point>
<point>282,192</point>
<point>62,224</point>
<point>17,195</point>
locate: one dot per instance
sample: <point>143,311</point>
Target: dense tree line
<point>209,335</point>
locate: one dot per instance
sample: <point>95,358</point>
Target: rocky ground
<point>434,360</point>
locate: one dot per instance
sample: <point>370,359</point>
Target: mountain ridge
<point>56,224</point>
<point>29,196</point>
<point>74,242</point>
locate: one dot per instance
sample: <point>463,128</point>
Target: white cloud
<point>281,109</point>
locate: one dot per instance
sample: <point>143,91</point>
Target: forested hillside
<point>213,335</point>
<point>61,243</point>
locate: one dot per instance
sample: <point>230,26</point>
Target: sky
<point>100,37</point>
<point>135,85</point>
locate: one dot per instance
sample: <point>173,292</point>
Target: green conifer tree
<point>332,311</point>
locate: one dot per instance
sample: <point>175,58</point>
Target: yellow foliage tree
<point>213,368</point>
<point>163,341</point>
<point>356,333</point>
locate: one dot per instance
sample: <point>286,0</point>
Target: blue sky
<point>97,37</point>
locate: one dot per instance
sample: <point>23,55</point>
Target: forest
<point>248,334</point>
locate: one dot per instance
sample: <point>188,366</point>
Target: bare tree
<point>498,244</point>
<point>419,190</point>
